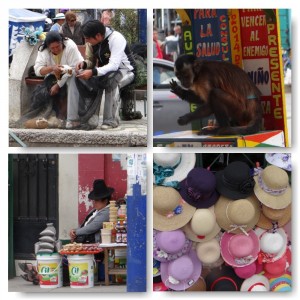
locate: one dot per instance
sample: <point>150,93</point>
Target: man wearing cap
<point>60,19</point>
<point>89,230</point>
<point>109,66</point>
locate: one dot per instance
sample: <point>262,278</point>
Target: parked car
<point>167,107</point>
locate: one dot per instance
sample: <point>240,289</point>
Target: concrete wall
<point>68,194</point>
<point>19,93</point>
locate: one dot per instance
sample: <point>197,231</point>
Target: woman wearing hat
<point>60,19</point>
<point>72,28</point>
<point>89,230</point>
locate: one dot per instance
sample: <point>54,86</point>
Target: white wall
<point>67,194</point>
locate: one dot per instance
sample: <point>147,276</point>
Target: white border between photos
<point>150,5</point>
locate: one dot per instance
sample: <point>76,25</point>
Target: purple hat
<point>235,181</point>
<point>181,273</point>
<point>199,188</point>
<point>169,245</point>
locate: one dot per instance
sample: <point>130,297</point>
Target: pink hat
<point>239,250</point>
<point>256,283</point>
<point>169,245</point>
<point>245,271</point>
<point>181,273</point>
<point>273,244</point>
<point>276,268</point>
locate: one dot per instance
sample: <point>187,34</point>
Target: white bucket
<point>105,236</point>
<point>81,270</point>
<point>50,270</point>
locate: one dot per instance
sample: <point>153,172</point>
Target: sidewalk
<point>130,134</point>
<point>19,285</point>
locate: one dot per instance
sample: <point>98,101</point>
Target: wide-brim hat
<point>281,284</point>
<point>199,188</point>
<point>272,187</point>
<point>239,250</point>
<point>178,164</point>
<point>273,244</point>
<point>256,283</point>
<point>100,190</point>
<point>59,16</point>
<point>170,211</point>
<point>246,271</point>
<point>181,273</point>
<point>198,286</point>
<point>281,160</point>
<point>169,245</point>
<point>203,225</point>
<point>223,279</point>
<point>270,216</point>
<point>276,268</point>
<point>239,215</point>
<point>208,252</point>
<point>235,181</point>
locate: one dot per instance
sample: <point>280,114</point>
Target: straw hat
<point>175,165</point>
<point>181,273</point>
<point>198,286</point>
<point>256,283</point>
<point>203,225</point>
<point>239,215</point>
<point>281,284</point>
<point>170,211</point>
<point>270,217</point>
<point>199,188</point>
<point>223,279</point>
<point>276,268</point>
<point>272,187</point>
<point>239,250</point>
<point>273,244</point>
<point>235,181</point>
<point>281,160</point>
<point>246,271</point>
<point>208,252</point>
<point>169,245</point>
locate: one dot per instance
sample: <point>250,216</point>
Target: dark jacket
<point>77,36</point>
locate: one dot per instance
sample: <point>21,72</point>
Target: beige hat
<point>180,163</point>
<point>203,225</point>
<point>170,211</point>
<point>237,216</point>
<point>208,252</point>
<point>270,216</point>
<point>198,286</point>
<point>272,187</point>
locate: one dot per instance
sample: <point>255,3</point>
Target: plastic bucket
<point>50,270</point>
<point>105,236</point>
<point>81,270</point>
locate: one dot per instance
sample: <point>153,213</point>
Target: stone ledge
<point>130,134</point>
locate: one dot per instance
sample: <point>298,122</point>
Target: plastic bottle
<point>118,233</point>
<point>124,233</point>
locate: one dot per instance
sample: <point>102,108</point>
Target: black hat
<point>235,181</point>
<point>100,190</point>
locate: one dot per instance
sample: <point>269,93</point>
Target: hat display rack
<point>222,222</point>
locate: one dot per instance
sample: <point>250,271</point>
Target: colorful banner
<point>262,62</point>
<point>211,34</point>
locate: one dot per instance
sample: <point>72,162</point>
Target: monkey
<point>218,88</point>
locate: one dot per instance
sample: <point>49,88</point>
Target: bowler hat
<point>199,188</point>
<point>235,181</point>
<point>100,190</point>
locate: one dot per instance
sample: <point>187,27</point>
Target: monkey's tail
<point>253,127</point>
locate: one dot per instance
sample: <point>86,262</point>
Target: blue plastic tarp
<point>19,18</point>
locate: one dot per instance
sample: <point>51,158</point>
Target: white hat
<point>182,163</point>
<point>59,16</point>
<point>256,283</point>
<point>208,252</point>
<point>281,160</point>
<point>272,244</point>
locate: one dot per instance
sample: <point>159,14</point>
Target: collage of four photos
<point>100,97</point>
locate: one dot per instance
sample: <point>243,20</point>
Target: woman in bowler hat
<point>89,230</point>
